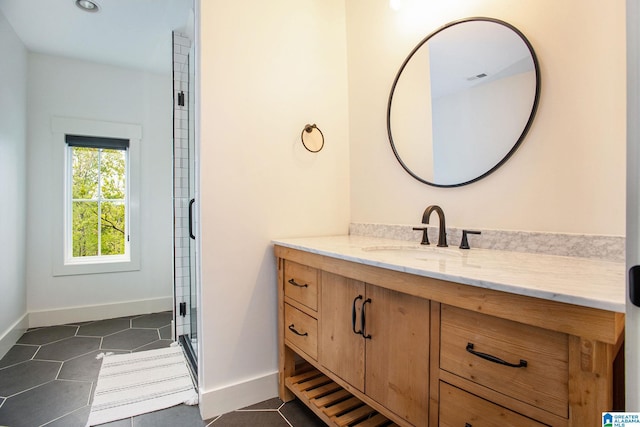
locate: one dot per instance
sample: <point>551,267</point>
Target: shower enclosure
<point>184,200</point>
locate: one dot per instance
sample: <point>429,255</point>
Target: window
<point>96,197</point>
<point>97,209</point>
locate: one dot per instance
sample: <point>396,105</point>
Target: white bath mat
<point>137,383</point>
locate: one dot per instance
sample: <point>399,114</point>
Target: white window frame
<point>63,262</point>
<point>68,244</point>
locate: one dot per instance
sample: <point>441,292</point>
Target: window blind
<point>96,142</point>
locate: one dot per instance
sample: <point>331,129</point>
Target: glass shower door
<point>185,200</point>
<point>193,277</point>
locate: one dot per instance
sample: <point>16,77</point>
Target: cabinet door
<point>397,354</point>
<point>340,349</point>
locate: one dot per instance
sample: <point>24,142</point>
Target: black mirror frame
<point>534,107</point>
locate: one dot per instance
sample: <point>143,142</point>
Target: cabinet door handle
<point>292,328</point>
<point>294,283</point>
<point>363,319</point>
<point>467,425</point>
<point>494,359</point>
<point>353,316</point>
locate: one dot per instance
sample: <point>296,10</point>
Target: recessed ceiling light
<point>87,5</point>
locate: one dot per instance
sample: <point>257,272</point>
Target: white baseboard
<point>13,334</point>
<point>236,396</point>
<point>98,312</point>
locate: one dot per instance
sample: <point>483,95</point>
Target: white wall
<point>268,68</point>
<point>70,88</point>
<point>569,174</point>
<point>13,142</point>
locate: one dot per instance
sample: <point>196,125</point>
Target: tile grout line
<point>62,416</point>
<point>49,343</point>
<point>59,369</point>
<point>18,363</point>
<point>213,421</point>
<point>29,389</point>
<point>283,417</point>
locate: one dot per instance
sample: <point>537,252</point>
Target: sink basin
<point>418,251</point>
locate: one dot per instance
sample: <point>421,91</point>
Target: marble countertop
<point>579,281</point>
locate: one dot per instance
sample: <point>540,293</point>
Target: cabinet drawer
<point>301,330</point>
<point>301,284</point>
<point>543,382</point>
<point>459,408</point>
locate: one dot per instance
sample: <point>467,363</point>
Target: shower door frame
<point>187,342</point>
<point>186,186</point>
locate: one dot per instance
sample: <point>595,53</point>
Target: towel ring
<point>313,142</point>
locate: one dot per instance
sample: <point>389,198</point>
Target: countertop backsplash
<point>610,248</point>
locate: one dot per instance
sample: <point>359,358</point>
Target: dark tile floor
<point>48,377</point>
<point>270,413</point>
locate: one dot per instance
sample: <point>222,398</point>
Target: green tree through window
<point>98,201</point>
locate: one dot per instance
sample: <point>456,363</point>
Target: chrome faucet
<point>442,234</point>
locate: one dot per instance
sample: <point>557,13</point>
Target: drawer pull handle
<point>494,359</point>
<point>292,328</point>
<point>353,316</point>
<point>362,321</point>
<point>294,283</point>
<point>467,425</point>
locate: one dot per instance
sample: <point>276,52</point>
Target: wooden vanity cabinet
<point>418,358</point>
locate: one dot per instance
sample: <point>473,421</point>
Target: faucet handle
<point>464,244</point>
<point>425,237</point>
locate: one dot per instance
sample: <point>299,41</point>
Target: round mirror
<point>463,101</point>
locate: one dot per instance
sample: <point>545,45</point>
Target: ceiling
<point>128,33</point>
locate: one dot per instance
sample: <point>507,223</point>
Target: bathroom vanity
<point>377,332</point>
